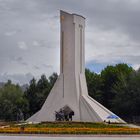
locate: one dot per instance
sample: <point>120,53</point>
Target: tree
<point>122,102</point>
<point>127,100</point>
<point>110,77</point>
<point>114,76</point>
<point>38,91</point>
<point>31,96</point>
<point>53,78</point>
<point>94,84</point>
<point>12,103</point>
<point>43,89</point>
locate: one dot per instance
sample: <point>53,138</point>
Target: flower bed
<point>74,130</point>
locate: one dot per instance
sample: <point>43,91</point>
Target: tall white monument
<point>70,88</point>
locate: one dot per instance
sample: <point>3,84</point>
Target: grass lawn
<point>72,125</point>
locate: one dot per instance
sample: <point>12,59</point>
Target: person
<point>62,115</point>
<point>70,115</point>
<point>66,117</point>
<point>57,116</point>
<point>109,122</point>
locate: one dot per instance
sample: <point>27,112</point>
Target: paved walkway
<point>69,138</point>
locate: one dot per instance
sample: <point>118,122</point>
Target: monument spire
<point>69,93</point>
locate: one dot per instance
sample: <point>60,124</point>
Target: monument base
<point>86,110</point>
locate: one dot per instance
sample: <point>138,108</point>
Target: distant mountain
<point>24,87</point>
<point>1,84</point>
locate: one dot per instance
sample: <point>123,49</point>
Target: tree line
<point>116,87</point>
<point>16,104</point>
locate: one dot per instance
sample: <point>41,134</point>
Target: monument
<point>70,93</point>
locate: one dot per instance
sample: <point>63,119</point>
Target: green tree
<point>43,89</point>
<point>114,76</point>
<point>94,84</point>
<point>31,96</point>
<point>52,79</point>
<point>110,77</point>
<point>127,100</point>
<point>38,91</point>
<point>12,103</point>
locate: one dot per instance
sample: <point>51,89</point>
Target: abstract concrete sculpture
<point>70,88</point>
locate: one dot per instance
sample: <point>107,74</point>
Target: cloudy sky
<point>29,35</point>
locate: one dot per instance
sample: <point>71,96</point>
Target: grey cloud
<point>36,67</point>
<point>47,66</point>
<point>10,33</point>
<point>105,14</point>
<point>24,63</point>
<point>118,15</point>
<point>43,65</point>
<point>40,43</point>
<point>22,45</point>
<point>19,60</point>
<point>132,58</point>
<point>29,33</point>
